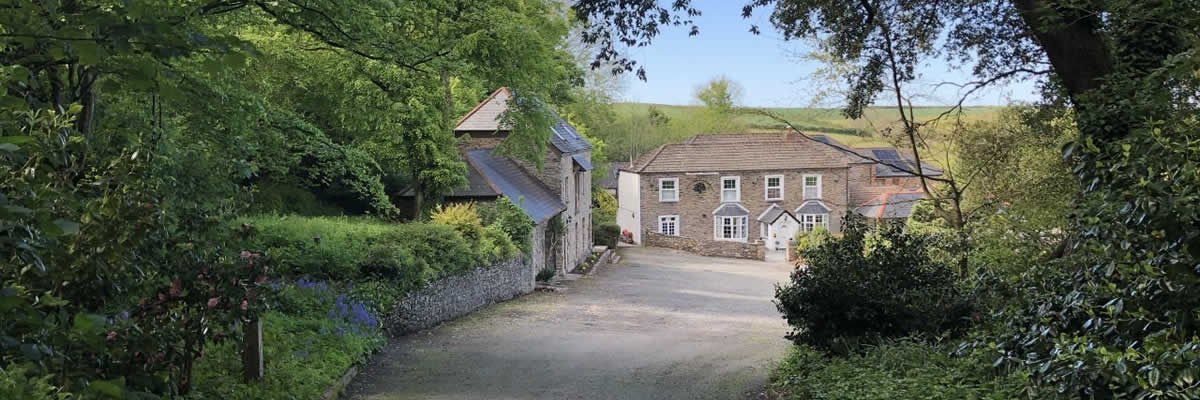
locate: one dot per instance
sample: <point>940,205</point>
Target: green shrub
<point>281,198</point>
<point>16,384</point>
<point>546,274</point>
<point>875,282</point>
<point>512,220</point>
<point>307,348</point>
<point>892,371</point>
<point>353,249</point>
<point>606,234</point>
<point>495,245</point>
<point>604,206</point>
<point>462,217</point>
<point>812,239</point>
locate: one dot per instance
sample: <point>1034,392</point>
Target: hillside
<point>632,133</point>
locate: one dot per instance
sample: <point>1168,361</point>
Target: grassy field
<point>860,132</point>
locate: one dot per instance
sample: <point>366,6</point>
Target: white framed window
<point>730,228</point>
<point>668,189</point>
<point>812,186</point>
<point>731,189</point>
<point>668,225</point>
<point>774,187</point>
<point>808,222</point>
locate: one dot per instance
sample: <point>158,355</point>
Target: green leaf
<point>111,388</point>
<point>9,147</point>
<point>75,108</point>
<point>67,227</point>
<point>82,323</point>
<point>16,139</point>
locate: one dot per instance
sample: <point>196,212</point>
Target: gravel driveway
<point>661,324</point>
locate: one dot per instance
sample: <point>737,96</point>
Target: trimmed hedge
<point>606,234</point>
<point>356,249</point>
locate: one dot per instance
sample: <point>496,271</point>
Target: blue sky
<point>768,68</point>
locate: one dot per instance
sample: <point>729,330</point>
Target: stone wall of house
<point>455,296</point>
<point>538,245</point>
<point>700,195</point>
<point>750,250</point>
<point>480,140</point>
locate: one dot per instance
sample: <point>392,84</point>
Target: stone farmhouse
<point>561,190</point>
<point>741,195</point>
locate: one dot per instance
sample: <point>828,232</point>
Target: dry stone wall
<point>455,296</point>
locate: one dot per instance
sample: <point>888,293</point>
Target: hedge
<point>357,249</point>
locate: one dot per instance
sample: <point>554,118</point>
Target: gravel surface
<point>661,324</point>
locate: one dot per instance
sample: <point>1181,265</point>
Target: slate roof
<point>503,175</point>
<point>582,161</point>
<point>734,152</point>
<point>485,117</point>
<point>893,163</point>
<point>812,207</point>
<point>890,205</point>
<point>611,180</point>
<point>773,213</point>
<point>477,185</point>
<point>566,139</point>
<point>730,210</point>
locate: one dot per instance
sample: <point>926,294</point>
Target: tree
<point>719,94</point>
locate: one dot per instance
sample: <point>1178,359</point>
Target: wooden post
<point>252,353</point>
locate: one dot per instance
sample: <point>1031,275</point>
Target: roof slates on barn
<point>538,202</point>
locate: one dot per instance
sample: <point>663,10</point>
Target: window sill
<point>668,201</point>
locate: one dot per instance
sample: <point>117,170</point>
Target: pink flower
<point>260,279</point>
<point>111,335</point>
<point>212,302</point>
<point>245,254</point>
<point>245,305</point>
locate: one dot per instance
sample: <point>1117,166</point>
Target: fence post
<point>252,351</point>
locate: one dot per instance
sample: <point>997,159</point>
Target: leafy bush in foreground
<point>315,335</point>
<point>892,371</point>
<point>875,282</point>
<point>510,218</point>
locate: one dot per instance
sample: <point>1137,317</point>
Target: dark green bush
<point>546,274</point>
<point>606,234</point>
<point>892,371</point>
<point>875,282</point>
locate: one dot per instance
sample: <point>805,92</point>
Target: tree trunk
<point>1075,48</point>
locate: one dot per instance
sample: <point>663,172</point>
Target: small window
<point>668,225</point>
<point>730,228</point>
<point>668,189</point>
<point>731,189</point>
<point>808,222</point>
<point>880,182</point>
<point>812,186</point>
<point>774,185</point>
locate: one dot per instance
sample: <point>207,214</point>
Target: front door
<point>783,229</point>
